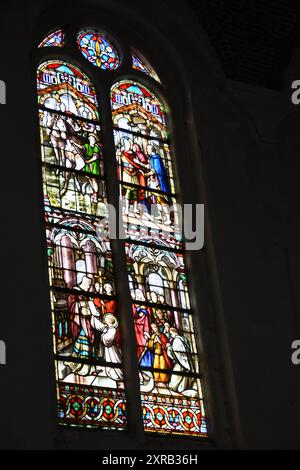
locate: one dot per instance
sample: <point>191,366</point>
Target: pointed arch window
<point>90,371</point>
<point>166,346</point>
<point>90,387</point>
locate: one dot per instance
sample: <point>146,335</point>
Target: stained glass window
<point>98,49</point>
<point>142,65</point>
<point>167,354</point>
<point>85,322</point>
<point>84,301</point>
<point>56,39</point>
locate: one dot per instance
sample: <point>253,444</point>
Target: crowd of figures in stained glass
<point>89,368</point>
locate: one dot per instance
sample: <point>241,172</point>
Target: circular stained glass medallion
<point>98,50</point>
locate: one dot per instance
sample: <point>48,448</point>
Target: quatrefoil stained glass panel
<point>98,49</point>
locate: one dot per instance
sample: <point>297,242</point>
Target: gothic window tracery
<point>85,320</point>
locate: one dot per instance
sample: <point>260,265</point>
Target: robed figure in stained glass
<point>179,351</point>
<point>157,180</point>
<point>81,328</point>
<point>157,345</point>
<point>157,166</point>
<point>142,320</point>
<point>133,169</point>
<point>91,153</point>
<point>110,338</point>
